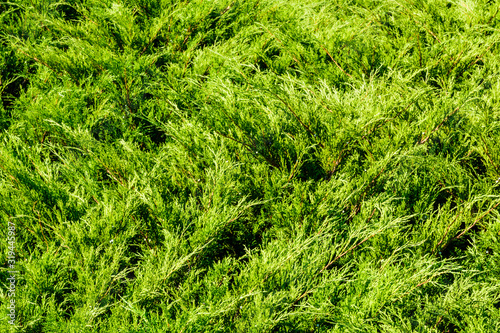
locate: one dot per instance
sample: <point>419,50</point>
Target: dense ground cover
<point>251,166</point>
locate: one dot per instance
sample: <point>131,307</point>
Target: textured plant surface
<point>251,166</point>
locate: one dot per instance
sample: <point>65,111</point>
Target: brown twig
<point>351,248</point>
<point>447,229</point>
<point>491,18</point>
<point>443,185</point>
<point>293,55</point>
<point>40,223</point>
<point>418,285</point>
<point>454,64</point>
<point>479,57</point>
<point>489,156</point>
<point>477,220</point>
<point>336,63</point>
<point>419,51</point>
<point>297,117</point>
<point>438,126</point>
<point>387,120</point>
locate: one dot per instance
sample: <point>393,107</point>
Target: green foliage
<point>251,166</point>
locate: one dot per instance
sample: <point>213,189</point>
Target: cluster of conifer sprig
<point>251,166</point>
